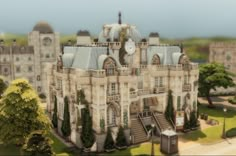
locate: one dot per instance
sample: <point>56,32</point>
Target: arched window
<point>109,65</point>
<point>155,60</point>
<point>111,116</point>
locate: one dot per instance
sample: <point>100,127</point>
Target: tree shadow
<point>217,99</point>
<point>193,136</point>
<point>217,111</point>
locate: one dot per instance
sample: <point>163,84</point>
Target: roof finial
<point>119,21</point>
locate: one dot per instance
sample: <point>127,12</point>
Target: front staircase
<point>138,132</point>
<point>162,122</point>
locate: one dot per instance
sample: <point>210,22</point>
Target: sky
<point>171,18</point>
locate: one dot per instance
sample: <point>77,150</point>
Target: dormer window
<point>156,60</point>
<point>109,65</point>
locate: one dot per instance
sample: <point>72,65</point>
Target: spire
<point>119,21</point>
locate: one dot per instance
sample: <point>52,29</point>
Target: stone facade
<point>114,90</point>
<point>224,53</point>
<point>29,61</point>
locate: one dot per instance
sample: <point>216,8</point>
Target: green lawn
<point>213,134</point>
<point>143,149</point>
<point>58,147</point>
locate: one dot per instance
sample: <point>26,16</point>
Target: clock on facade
<point>130,47</point>
<point>47,41</point>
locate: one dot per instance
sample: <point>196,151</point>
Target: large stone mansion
<point>29,61</point>
<point>124,78</point>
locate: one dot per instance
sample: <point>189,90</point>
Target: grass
<point>141,150</point>
<point>58,147</point>
<point>213,134</point>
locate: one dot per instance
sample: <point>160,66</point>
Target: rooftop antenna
<point>119,21</point>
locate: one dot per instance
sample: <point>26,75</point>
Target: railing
<point>157,122</point>
<point>176,67</point>
<point>115,97</point>
<point>161,67</point>
<point>145,114</point>
<point>186,87</point>
<point>133,94</point>
<point>139,117</point>
<point>98,73</point>
<point>194,66</point>
<point>143,44</point>
<point>143,66</point>
<point>124,71</point>
<point>143,92</point>
<point>159,89</point>
<point>172,124</point>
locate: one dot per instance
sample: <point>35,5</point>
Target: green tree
<point>38,144</point>
<point>54,116</point>
<point>211,76</point>
<point>20,113</point>
<point>186,122</point>
<point>109,142</point>
<point>87,136</point>
<point>121,140</point>
<point>65,127</point>
<point>3,86</point>
<point>169,112</point>
<point>193,119</point>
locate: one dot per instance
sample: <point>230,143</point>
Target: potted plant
<point>121,142</point>
<point>109,145</point>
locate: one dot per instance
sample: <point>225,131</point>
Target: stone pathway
<point>226,147</point>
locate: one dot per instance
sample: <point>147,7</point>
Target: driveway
<point>226,147</point>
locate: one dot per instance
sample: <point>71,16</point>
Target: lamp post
<point>152,150</point>
<point>223,133</point>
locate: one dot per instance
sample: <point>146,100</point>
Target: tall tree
<point>38,144</point>
<point>65,128</point>
<point>54,116</point>
<point>211,76</point>
<point>169,112</point>
<point>87,135</point>
<point>121,140</point>
<point>20,113</point>
<point>109,142</point>
<point>3,86</point>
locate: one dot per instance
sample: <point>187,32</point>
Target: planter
<point>86,150</point>
<point>121,148</point>
<point>110,150</point>
<point>186,130</point>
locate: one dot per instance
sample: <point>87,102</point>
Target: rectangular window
<point>18,69</point>
<point>140,83</point>
<point>38,78</point>
<point>156,81</point>
<point>113,88</point>
<point>161,81</point>
<point>30,69</point>
<point>185,79</point>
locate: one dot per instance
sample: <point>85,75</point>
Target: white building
<point>124,79</point>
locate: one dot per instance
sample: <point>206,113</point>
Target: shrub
<point>121,140</point>
<point>193,119</point>
<point>42,96</point>
<point>231,132</point>
<point>109,142</point>
<point>87,136</point>
<point>186,122</point>
<point>54,116</point>
<point>232,100</point>
<point>169,112</point>
<point>65,128</point>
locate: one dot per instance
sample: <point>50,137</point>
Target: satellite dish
<point>130,47</point>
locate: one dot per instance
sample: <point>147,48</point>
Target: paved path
<point>227,147</point>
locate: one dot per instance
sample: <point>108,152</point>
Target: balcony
<point>114,97</point>
<point>161,89</point>
<point>98,73</point>
<point>124,71</point>
<point>143,92</point>
<point>133,94</point>
<point>186,87</point>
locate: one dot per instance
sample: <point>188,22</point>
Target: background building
<point>28,61</point>
<point>224,53</point>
